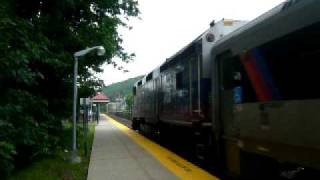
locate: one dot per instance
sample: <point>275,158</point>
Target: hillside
<point>122,88</point>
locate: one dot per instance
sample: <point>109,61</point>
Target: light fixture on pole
<point>100,51</point>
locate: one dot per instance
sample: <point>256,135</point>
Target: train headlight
<point>210,37</point>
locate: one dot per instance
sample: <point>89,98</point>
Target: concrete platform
<point>118,153</point>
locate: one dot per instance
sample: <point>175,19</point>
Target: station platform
<point>119,153</point>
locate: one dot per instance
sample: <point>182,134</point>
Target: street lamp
<point>100,51</point>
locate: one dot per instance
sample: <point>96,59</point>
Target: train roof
<point>192,44</point>
<point>200,37</point>
<point>156,71</point>
<point>286,17</point>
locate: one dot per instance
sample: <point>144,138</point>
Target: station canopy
<point>100,98</point>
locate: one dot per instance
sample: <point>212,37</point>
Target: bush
<point>6,161</point>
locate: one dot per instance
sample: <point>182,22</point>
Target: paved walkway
<point>115,156</point>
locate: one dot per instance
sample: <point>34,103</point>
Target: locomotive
<point>246,91</point>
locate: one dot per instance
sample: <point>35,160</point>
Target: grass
<point>58,166</point>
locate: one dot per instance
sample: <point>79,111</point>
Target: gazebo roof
<point>100,97</point>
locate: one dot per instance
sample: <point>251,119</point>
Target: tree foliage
<point>120,89</point>
<point>129,101</point>
<point>37,42</point>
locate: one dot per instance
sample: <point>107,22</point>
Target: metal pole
<point>98,113</point>
<point>74,156</point>
<point>86,130</point>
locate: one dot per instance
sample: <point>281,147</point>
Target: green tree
<point>122,88</point>
<point>129,101</point>
<point>37,42</point>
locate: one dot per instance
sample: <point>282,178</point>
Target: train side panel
<point>267,94</point>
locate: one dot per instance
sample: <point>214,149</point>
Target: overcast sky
<point>168,25</point>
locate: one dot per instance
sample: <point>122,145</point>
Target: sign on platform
<point>84,101</point>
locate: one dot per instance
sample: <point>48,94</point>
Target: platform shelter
<point>99,101</point>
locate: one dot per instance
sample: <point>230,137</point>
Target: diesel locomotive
<point>247,92</point>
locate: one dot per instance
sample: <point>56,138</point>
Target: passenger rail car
<point>249,89</point>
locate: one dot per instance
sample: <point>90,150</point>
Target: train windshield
<point>284,69</point>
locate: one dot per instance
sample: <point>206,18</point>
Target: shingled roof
<point>100,97</point>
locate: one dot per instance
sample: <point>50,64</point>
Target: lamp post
<point>100,51</point>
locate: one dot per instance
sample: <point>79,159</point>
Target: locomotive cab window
<point>149,77</point>
<point>282,69</point>
<point>179,80</point>
<point>140,83</point>
<point>234,78</point>
<point>285,68</point>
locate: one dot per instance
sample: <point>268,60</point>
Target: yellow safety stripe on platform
<point>179,166</point>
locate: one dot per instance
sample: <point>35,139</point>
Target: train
<point>247,93</point>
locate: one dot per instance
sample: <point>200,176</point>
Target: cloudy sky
<point>168,25</point>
